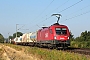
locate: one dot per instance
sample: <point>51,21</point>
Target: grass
<point>55,55</point>
<point>17,47</point>
<point>49,54</point>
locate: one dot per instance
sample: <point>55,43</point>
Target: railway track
<point>84,51</point>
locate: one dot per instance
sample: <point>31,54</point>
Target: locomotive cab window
<point>61,31</point>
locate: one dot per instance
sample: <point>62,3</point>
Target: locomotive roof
<point>56,24</point>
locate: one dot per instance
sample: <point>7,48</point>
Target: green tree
<point>85,35</point>
<point>71,36</point>
<point>18,34</point>
<point>88,33</point>
<point>79,39</point>
<point>10,37</point>
<point>1,38</point>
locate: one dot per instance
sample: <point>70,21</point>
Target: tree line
<point>1,38</point>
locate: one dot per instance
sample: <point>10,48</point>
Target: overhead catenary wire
<point>47,6</point>
<point>43,10</point>
<point>53,10</point>
<point>66,8</point>
<point>21,27</point>
<point>63,9</point>
<point>74,12</point>
<point>76,16</point>
<point>71,6</point>
<point>78,10</point>
<point>61,5</point>
<point>57,8</point>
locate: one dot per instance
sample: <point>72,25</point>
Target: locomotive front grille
<point>61,42</point>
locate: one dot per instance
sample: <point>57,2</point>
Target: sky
<point>31,15</point>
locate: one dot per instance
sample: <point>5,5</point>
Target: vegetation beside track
<point>83,44</point>
<point>83,41</point>
<point>47,54</point>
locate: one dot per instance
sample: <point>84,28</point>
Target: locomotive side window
<point>61,31</point>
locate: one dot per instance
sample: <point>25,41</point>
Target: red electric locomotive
<point>54,36</point>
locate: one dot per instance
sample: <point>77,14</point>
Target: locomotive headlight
<point>55,37</point>
<point>68,37</point>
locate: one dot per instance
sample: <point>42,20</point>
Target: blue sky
<point>30,13</point>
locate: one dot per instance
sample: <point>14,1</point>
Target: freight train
<point>54,36</point>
